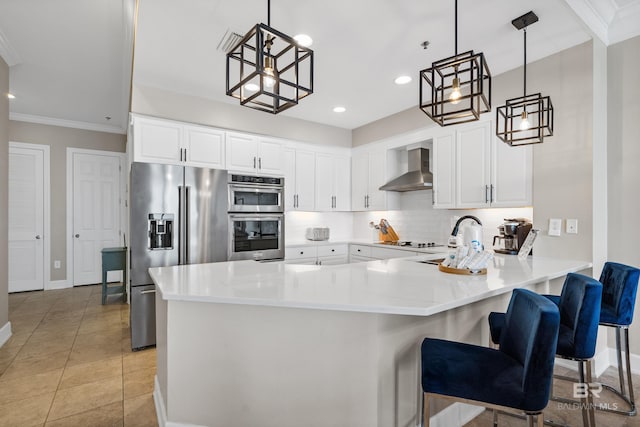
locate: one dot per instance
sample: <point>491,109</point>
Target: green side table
<point>114,259</point>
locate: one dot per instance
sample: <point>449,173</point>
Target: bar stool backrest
<point>579,306</point>
<point>620,285</point>
<point>530,336</point>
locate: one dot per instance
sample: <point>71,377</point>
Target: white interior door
<point>96,213</point>
<point>26,219</point>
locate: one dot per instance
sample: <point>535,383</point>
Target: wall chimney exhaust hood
<point>417,178</point>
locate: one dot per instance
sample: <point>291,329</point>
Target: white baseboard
<point>161,411</point>
<point>605,358</point>
<point>57,284</point>
<point>633,358</point>
<point>456,414</point>
<point>5,333</point>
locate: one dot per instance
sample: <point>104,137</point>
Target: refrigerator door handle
<point>186,224</point>
<point>181,222</point>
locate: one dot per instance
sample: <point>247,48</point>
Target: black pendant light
<point>268,70</point>
<point>459,87</point>
<point>527,119</point>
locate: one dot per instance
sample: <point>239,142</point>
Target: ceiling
<point>70,59</point>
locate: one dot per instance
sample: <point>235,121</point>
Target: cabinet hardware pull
<point>153,291</point>
<point>491,194</point>
<point>38,237</point>
<point>259,162</point>
<point>486,192</point>
<point>254,162</point>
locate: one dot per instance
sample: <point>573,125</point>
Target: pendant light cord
<point>525,61</point>
<point>456,27</point>
<point>269,12</point>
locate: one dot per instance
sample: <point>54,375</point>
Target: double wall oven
<point>256,217</point>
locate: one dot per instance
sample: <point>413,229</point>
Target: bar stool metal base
<point>586,402</point>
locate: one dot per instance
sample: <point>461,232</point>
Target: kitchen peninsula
<point>275,344</point>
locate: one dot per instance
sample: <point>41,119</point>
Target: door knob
<point>38,237</point>
<point>77,236</point>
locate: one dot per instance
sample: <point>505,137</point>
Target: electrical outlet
<point>555,226</point>
<point>56,264</point>
<point>572,226</point>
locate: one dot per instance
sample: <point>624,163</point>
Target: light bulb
<point>524,122</point>
<point>455,95</point>
<point>269,76</point>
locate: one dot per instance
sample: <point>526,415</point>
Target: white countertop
<point>394,286</point>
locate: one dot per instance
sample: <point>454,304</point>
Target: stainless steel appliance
<point>513,233</point>
<point>256,236</point>
<point>248,193</point>
<point>178,216</point>
<point>255,217</point>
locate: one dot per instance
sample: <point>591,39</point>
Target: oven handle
<point>257,217</point>
<point>257,187</point>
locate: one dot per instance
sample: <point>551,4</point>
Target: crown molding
<point>19,117</point>
<point>594,21</point>
<point>7,52</point>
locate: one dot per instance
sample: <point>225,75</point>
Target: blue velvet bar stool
<point>516,377</point>
<point>620,285</point>
<point>579,306</point>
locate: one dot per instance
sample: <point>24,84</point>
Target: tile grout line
<point>67,361</point>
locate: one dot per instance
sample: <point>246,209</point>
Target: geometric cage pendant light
<point>268,70</point>
<point>527,119</point>
<point>456,89</point>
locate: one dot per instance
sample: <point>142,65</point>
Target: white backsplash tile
<point>416,221</point>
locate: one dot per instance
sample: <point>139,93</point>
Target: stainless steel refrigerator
<point>178,216</point>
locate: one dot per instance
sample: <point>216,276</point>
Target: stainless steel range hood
<point>417,178</point>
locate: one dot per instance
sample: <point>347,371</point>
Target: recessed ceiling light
<point>11,96</point>
<point>339,109</point>
<point>402,80</point>
<point>303,40</point>
<point>252,87</point>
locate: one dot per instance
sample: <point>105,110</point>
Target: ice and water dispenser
<point>160,231</point>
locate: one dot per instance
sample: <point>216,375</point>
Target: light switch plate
<point>555,226</point>
<point>572,226</point>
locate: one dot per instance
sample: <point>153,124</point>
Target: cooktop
<point>413,244</point>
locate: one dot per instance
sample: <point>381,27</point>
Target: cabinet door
<point>156,141</point>
<point>444,166</point>
<point>289,173</point>
<point>359,181</point>
<point>242,152</point>
<point>270,157</point>
<point>377,178</point>
<point>511,175</point>
<point>324,182</point>
<point>473,152</point>
<point>305,180</point>
<point>204,147</point>
<point>342,183</point>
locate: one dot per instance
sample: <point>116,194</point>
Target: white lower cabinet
<point>322,254</point>
<point>363,253</point>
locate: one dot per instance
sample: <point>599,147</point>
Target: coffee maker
<point>513,233</point>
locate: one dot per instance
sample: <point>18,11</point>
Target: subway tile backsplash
<point>416,220</point>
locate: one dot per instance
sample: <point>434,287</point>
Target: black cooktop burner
<point>414,244</point>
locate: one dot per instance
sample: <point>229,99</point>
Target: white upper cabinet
<point>443,169</point>
<point>204,147</point>
<point>511,175</point>
<point>299,179</point>
<point>368,174</point>
<point>254,154</point>
<point>165,141</point>
<point>479,171</point>
<point>473,164</point>
<point>157,141</point>
<point>333,186</point>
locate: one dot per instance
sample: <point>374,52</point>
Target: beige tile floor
<point>69,363</point>
<point>559,413</point>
